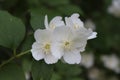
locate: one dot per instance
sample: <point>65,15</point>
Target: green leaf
<point>38,15</point>
<point>56,2</point>
<point>27,63</point>
<point>56,76</point>
<point>68,70</point>
<point>70,9</point>
<point>33,3</point>
<point>40,70</point>
<point>11,72</point>
<point>27,45</point>
<point>7,4</point>
<point>12,30</point>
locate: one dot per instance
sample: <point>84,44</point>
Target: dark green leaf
<point>41,71</point>
<point>68,70</point>
<point>12,30</point>
<point>38,15</point>
<point>26,63</point>
<point>56,2</point>
<point>56,76</point>
<point>11,72</point>
<point>70,9</point>
<point>27,45</point>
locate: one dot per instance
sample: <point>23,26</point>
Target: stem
<point>23,53</point>
<point>14,52</point>
<point>15,56</point>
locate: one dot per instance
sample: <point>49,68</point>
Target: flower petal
<point>62,33</point>
<point>69,22</point>
<point>50,59</point>
<point>93,35</point>
<point>37,52</point>
<point>76,20</point>
<point>56,50</point>
<point>42,35</point>
<point>46,22</point>
<point>72,57</point>
<point>57,21</point>
<point>80,46</point>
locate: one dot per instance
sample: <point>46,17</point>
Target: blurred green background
<point>32,13</point>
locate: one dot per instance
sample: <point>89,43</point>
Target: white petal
<point>93,35</point>
<point>56,50</point>
<point>76,20</point>
<point>69,22</point>
<point>75,15</point>
<point>72,57</point>
<point>62,33</point>
<point>37,54</point>
<point>57,22</point>
<point>80,46</point>
<point>50,59</point>
<point>42,35</point>
<point>46,22</point>
<point>36,45</point>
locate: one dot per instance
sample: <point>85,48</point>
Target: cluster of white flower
<point>112,62</point>
<point>115,8</point>
<point>61,40</point>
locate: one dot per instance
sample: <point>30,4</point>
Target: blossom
<point>111,62</point>
<point>78,26</point>
<point>41,49</point>
<point>61,41</point>
<point>87,60</point>
<point>55,22</point>
<point>68,45</point>
<point>115,8</point>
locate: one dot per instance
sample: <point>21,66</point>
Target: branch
<point>15,56</point>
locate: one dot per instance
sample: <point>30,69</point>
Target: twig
<point>15,56</point>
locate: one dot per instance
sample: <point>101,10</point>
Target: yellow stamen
<point>52,26</point>
<point>67,45</point>
<point>47,48</point>
<point>76,26</point>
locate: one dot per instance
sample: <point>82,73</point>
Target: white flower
<point>115,8</point>
<point>77,26</point>
<point>68,45</point>
<point>87,60</point>
<point>55,22</point>
<point>61,41</point>
<point>41,49</point>
<point>112,62</point>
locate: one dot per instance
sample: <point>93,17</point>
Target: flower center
<point>47,48</point>
<point>76,26</point>
<point>67,45</point>
<point>52,26</point>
